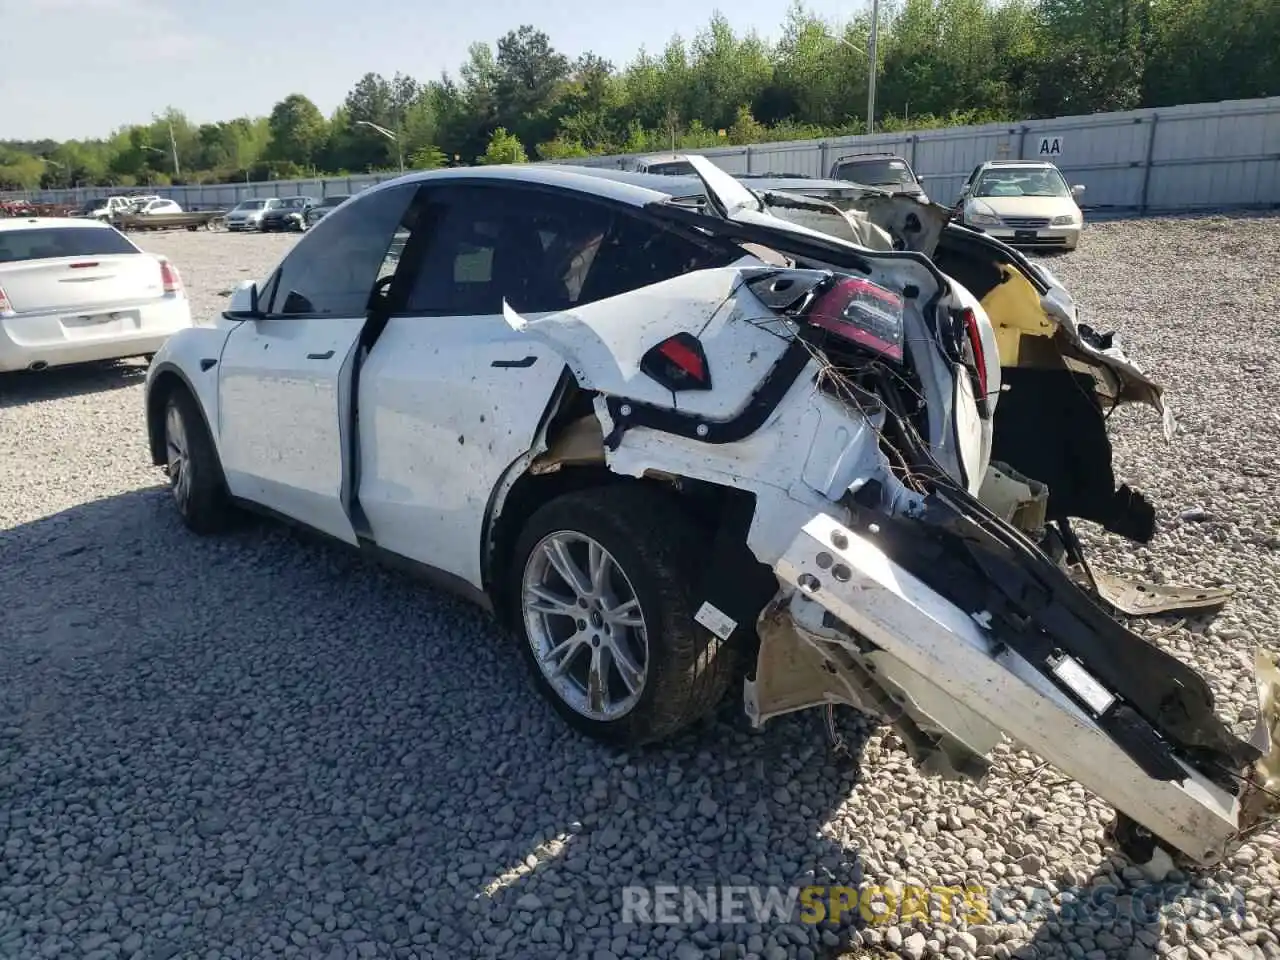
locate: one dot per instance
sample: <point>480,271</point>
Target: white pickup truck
<point>105,208</point>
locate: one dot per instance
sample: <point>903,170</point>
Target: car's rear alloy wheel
<point>195,475</point>
<point>586,625</point>
<point>603,587</point>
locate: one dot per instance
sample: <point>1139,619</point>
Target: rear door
<point>451,396</point>
<point>285,379</point>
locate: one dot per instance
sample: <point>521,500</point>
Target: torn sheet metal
<point>893,609</point>
<point>1017,500</point>
<point>1141,598</point>
<point>604,342</point>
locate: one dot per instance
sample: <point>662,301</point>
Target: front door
<point>285,378</point>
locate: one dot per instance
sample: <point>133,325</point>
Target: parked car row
<point>108,208</point>
<point>279,213</point>
<point>1023,202</point>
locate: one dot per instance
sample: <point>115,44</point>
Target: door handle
<point>320,356</point>
<point>526,362</point>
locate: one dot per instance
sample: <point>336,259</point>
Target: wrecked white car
<point>679,440</point>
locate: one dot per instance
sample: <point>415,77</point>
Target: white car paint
<point>440,424</point>
<point>282,416</point>
<point>62,309</point>
<point>159,205</point>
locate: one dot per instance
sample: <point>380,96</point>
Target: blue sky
<point>80,68</point>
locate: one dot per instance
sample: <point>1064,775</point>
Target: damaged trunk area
<point>898,441</point>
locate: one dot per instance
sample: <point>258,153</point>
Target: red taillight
<point>82,266</point>
<point>170,277</point>
<point>979,355</point>
<point>678,363</point>
<point>5,306</point>
<point>684,357</point>
<point>861,312</point>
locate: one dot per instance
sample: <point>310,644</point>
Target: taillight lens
<point>861,312</point>
<point>974,336</point>
<point>170,277</point>
<point>5,306</point>
<point>678,363</point>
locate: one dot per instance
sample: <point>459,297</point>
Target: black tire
<point>661,552</point>
<point>201,498</point>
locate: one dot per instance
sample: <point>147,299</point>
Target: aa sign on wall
<point>1050,147</point>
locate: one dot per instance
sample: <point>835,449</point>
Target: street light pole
<point>389,135</point>
<point>871,69</point>
<point>173,144</point>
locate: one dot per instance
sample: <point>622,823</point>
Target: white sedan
<point>1023,202</point>
<point>76,290</point>
<point>679,441</point>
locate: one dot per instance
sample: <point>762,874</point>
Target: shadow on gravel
<point>24,387</point>
<point>259,741</point>
<point>255,742</point>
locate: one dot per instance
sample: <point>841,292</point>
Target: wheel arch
<point>734,580</point>
<point>167,378</point>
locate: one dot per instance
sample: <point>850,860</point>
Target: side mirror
<point>1077,189</point>
<point>244,302</point>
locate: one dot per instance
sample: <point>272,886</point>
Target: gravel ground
<point>257,746</point>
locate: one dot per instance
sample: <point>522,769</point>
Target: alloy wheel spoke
<point>568,569</point>
<point>597,567</point>
<point>625,615</point>
<point>631,674</point>
<point>563,653</point>
<point>547,602</point>
<point>597,681</point>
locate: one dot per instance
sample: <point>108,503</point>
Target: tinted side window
<point>333,269</point>
<point>487,244</point>
<point>637,253</point>
<point>540,252</point>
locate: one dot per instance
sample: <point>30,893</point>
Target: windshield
<point>331,201</point>
<point>293,203</point>
<point>251,205</point>
<point>876,173</point>
<point>47,242</point>
<point>676,168</point>
<point>1022,182</point>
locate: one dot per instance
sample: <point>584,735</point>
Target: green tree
<point>298,131</point>
<point>428,158</point>
<point>529,75</point>
<point>503,148</point>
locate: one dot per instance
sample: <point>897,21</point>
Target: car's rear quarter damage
<point>874,498</point>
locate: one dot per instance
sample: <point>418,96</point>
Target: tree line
<point>941,62</point>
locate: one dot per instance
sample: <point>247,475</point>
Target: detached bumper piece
<point>954,628</point>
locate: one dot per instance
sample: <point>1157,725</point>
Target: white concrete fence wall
<point>1184,158</point>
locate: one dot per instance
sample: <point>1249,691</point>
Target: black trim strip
<point>630,413</point>
<point>519,364</point>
